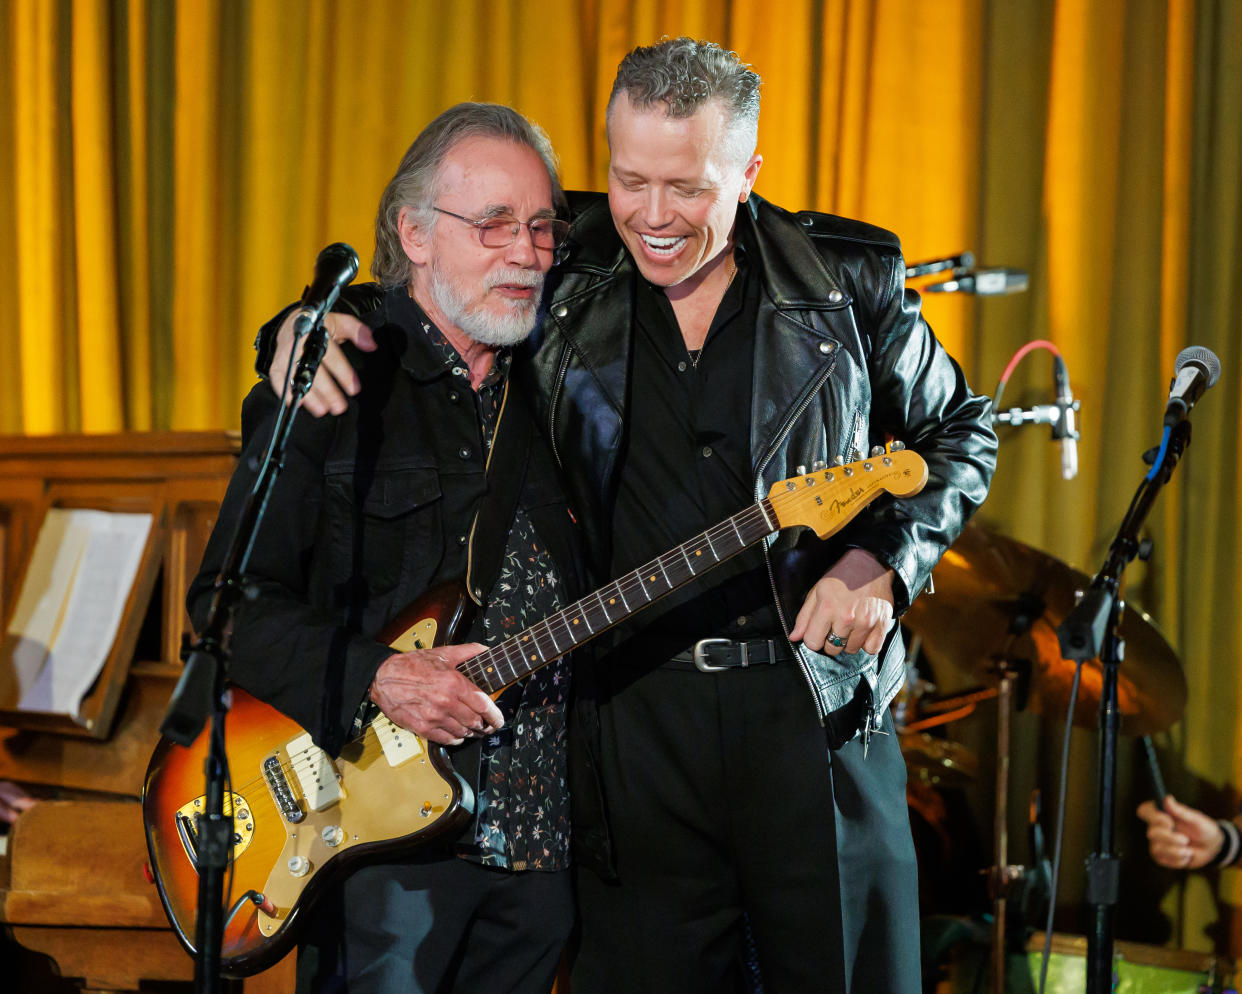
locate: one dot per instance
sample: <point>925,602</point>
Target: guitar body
<point>301,820</point>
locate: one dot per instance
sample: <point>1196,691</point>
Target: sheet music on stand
<point>69,609</point>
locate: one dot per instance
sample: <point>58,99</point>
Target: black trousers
<point>736,827</point>
<point>442,926</point>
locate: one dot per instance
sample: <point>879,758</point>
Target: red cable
<point>1039,343</point>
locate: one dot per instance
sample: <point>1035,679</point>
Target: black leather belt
<point>714,655</point>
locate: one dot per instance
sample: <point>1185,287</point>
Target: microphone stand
<point>202,690</point>
<point>1092,630</point>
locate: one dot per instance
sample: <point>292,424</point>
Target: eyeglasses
<point>499,232</point>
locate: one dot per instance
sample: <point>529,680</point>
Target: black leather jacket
<point>843,361</point>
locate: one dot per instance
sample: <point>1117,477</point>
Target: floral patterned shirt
<point>522,797</point>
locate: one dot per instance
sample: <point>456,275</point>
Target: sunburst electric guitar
<point>302,819</point>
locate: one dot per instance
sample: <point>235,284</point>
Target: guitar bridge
<point>281,792</point>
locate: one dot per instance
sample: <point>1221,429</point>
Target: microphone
<point>955,262</point>
<point>1063,429</point>
<point>1195,370</point>
<point>984,282</point>
<point>336,266</point>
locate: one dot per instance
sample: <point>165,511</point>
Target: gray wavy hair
<point>416,182</point>
<point>684,74</point>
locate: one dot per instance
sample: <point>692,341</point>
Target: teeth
<point>662,244</point>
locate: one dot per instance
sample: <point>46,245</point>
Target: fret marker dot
<point>612,600</point>
<point>651,578</point>
<point>533,656</point>
<point>698,552</point>
<point>575,621</point>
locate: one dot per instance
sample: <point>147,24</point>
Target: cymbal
<point>937,762</point>
<point>985,581</point>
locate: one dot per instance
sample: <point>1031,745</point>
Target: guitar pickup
<point>399,744</point>
<point>315,772</point>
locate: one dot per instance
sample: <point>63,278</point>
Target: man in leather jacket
<point>435,473</point>
<point>738,792</point>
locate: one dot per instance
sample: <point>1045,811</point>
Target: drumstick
<point>1153,767</point>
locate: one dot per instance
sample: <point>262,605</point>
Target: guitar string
<point>475,668</point>
<point>630,583</point>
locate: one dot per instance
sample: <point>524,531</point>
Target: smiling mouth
<point>663,246</point>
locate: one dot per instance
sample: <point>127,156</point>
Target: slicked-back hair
<point>416,182</point>
<point>684,74</point>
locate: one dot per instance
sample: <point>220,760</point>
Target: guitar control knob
<point>426,809</point>
<point>332,835</point>
<point>299,866</point>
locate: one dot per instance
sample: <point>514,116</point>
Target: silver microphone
<point>984,282</point>
<point>1195,370</point>
<point>1063,429</point>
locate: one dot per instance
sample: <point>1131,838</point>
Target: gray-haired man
<point>402,493</point>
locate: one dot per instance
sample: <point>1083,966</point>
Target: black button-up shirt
<point>686,467</point>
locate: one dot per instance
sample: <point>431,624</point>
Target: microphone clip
<point>1063,424</point>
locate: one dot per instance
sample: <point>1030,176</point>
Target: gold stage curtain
<point>169,170</point>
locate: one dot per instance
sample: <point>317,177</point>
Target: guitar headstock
<point>827,499</point>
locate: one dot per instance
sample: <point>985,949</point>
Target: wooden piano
<point>73,879</point>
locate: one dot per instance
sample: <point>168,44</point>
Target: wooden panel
<point>72,883</point>
<point>81,862</point>
<point>179,478</point>
<point>115,766</point>
<point>110,959</point>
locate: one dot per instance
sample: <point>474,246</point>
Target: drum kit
<point>991,628</point>
<point>992,623</point>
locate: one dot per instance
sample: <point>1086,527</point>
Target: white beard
<point>475,320</point>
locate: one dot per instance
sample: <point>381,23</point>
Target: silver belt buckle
<point>700,656</point>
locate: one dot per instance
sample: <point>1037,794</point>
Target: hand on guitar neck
<point>424,691</point>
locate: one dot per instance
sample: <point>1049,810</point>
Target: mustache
<point>515,277</point>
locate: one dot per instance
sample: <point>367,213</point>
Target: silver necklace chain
<point>696,354</point>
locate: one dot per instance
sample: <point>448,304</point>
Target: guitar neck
<point>502,665</point>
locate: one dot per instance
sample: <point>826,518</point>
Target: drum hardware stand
<point>1014,677</point>
<point>1093,630</point>
<point>1002,876</point>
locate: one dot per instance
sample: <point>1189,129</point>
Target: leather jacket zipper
<point>820,704</point>
<point>559,382</point>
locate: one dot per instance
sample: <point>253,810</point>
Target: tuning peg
<point>801,471</point>
<point>877,450</point>
<point>896,446</point>
<point>817,465</point>
<point>839,460</point>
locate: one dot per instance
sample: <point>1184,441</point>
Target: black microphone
<point>955,262</point>
<point>984,282</point>
<point>1064,430</point>
<point>336,266</point>
<point>1195,370</point>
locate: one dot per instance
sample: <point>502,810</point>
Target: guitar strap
<point>507,462</point>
